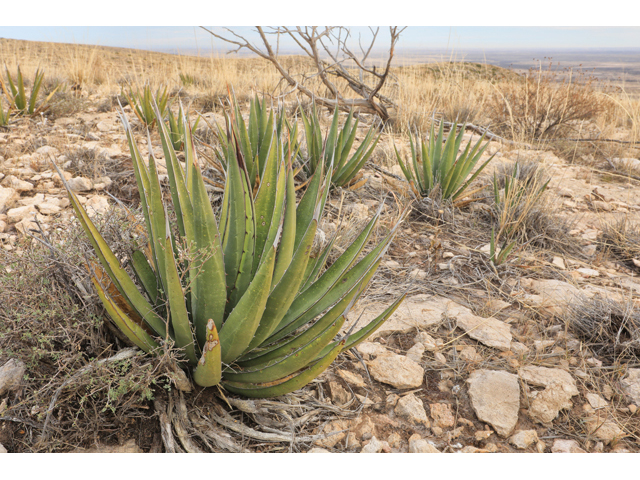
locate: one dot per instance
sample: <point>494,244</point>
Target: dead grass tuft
<point>622,239</point>
<point>610,329</point>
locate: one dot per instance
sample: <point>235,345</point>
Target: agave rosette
<point>434,165</point>
<point>240,293</point>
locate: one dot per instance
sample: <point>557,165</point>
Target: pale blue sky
<point>460,39</point>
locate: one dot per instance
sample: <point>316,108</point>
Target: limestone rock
<point>553,295</point>
<point>16,214</point>
<point>396,370</point>
<point>420,445</point>
<point>372,348</point>
<point>489,331</point>
<point>566,446</point>
<point>523,438</point>
<point>603,427</point>
<point>415,353</point>
<point>596,401</point>
<point>412,408</point>
<point>97,205</point>
<point>2,449</point>
<point>548,403</point>
<point>374,446</point>
<point>11,374</point>
<point>318,450</point>
<point>544,377</point>
<point>495,397</point>
<point>352,378</point>
<point>631,385</point>
<point>7,195</point>
<point>442,415</point>
<point>18,185</point>
<point>80,184</point>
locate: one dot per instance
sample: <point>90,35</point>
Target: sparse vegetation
<point>17,95</point>
<point>541,250</point>
<point>434,166</point>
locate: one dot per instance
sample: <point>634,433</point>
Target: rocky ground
<point>485,363</point>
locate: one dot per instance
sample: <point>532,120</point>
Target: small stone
<point>397,371</point>
<point>523,438</point>
<point>440,358</point>
<point>469,354</point>
<point>481,435</point>
<point>2,449</point>
<point>559,262</point>
<point>339,395</point>
<point>394,440</point>
<point>318,450</point>
<point>588,272</point>
<point>97,205</point>
<point>80,184</point>
<point>442,415</point>
<point>418,445</point>
<point>604,428</point>
<point>372,348</point>
<point>352,378</point>
<point>544,377</point>
<point>11,375</point>
<point>415,353</point>
<point>338,430</point>
<point>548,403</point>
<point>16,184</point>
<point>566,446</point>
<point>540,345</point>
<point>495,397</point>
<point>16,214</point>
<point>7,195</point>
<point>374,446</point>
<point>428,342</point>
<point>631,385</point>
<point>596,401</point>
<point>129,446</point>
<point>412,408</point>
<point>48,209</point>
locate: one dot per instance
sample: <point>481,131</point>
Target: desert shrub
<point>519,209</point>
<point>545,104</point>
<point>622,239</point>
<point>611,329</point>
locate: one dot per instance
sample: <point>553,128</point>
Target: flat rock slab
<point>631,385</point>
<point>545,377</point>
<point>421,311</point>
<point>397,371</point>
<point>495,397</point>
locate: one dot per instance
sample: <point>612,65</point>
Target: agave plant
<point>17,95</point>
<point>434,165</point>
<point>4,116</point>
<point>336,148</point>
<point>239,293</point>
<point>143,104</point>
<point>176,128</point>
<point>255,138</point>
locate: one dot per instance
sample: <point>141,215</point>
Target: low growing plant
<point>240,295</point>
<point>335,148</point>
<point>17,95</point>
<point>434,165</point>
<point>143,104</point>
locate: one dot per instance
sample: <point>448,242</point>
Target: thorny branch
<point>341,63</point>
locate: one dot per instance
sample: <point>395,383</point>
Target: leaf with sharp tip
<point>208,372</point>
<point>287,239</point>
<point>110,263</point>
<point>131,329</point>
<point>285,291</point>
<point>178,310</point>
<point>287,385</point>
<point>285,366</point>
<point>241,324</point>
<point>145,274</point>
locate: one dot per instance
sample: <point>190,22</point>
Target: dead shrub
<point>545,104</point>
<point>622,239</point>
<point>610,329</point>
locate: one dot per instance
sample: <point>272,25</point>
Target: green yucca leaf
<point>238,294</point>
<point>436,165</point>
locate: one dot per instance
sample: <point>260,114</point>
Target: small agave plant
<point>240,293</point>
<point>433,165</point>
<point>336,148</point>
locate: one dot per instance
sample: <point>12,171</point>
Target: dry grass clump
<point>610,329</point>
<point>521,210</point>
<point>73,394</point>
<point>622,239</point>
<point>546,104</point>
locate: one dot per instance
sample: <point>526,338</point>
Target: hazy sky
<point>462,38</point>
